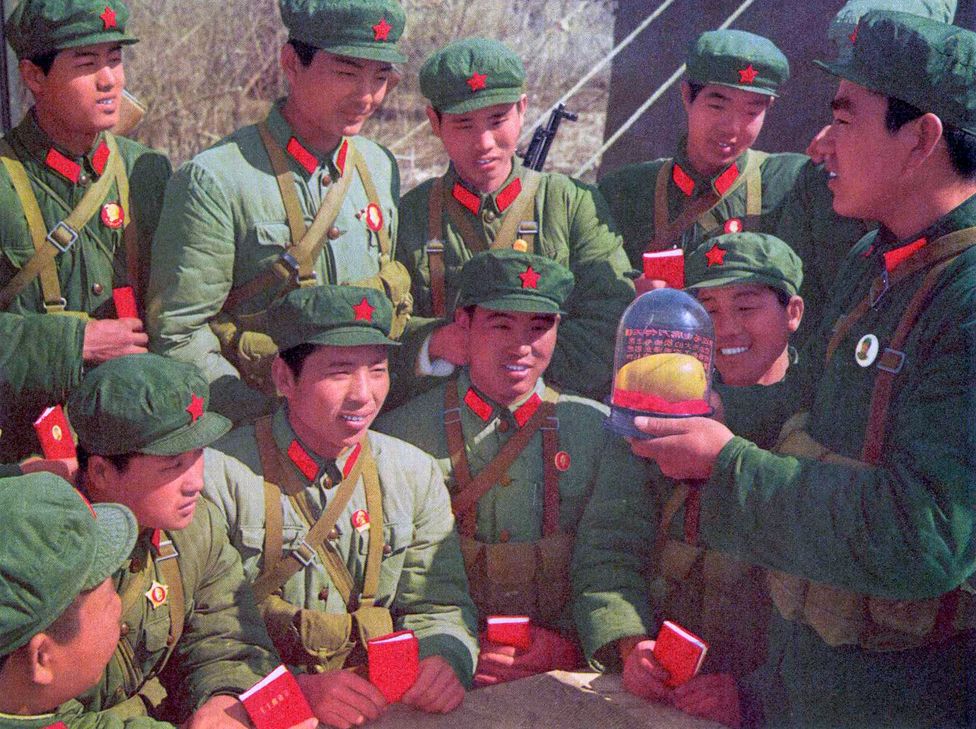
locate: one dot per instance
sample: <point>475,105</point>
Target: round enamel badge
<point>360,520</point>
<point>562,461</point>
<point>374,217</point>
<point>112,215</point>
<point>157,594</point>
<point>734,225</point>
<point>867,350</point>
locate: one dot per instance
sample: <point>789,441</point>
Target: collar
<point>309,464</point>
<point>485,408</point>
<point>689,181</point>
<point>298,150</point>
<point>35,141</point>
<point>893,251</point>
<point>498,201</point>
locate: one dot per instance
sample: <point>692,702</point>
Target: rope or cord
<point>591,162</point>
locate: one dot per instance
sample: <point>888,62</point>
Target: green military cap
<point>738,59</point>
<point>471,74</point>
<point>742,258</point>
<point>508,280</point>
<point>55,546</point>
<point>927,64</point>
<point>144,403</point>
<point>366,29</point>
<point>841,30</point>
<point>341,316</point>
<point>38,27</point>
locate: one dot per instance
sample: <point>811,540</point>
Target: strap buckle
<point>895,368</point>
<point>301,558</point>
<point>167,550</point>
<point>876,295</point>
<point>435,247</point>
<point>551,423</point>
<point>528,227</point>
<point>291,263</point>
<point>456,416</point>
<point>66,230</point>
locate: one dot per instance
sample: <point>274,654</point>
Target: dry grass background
<point>206,68</point>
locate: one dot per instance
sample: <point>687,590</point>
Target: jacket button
<point>505,481</point>
<point>489,216</point>
<point>503,426</point>
<point>135,565</point>
<point>83,179</point>
<point>387,550</point>
<point>333,534</point>
<point>326,180</point>
<point>97,289</point>
<point>333,233</point>
<point>124,629</point>
<point>324,594</point>
<point>504,535</point>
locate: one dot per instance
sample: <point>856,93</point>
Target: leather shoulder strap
<point>386,246</point>
<point>435,247</point>
<point>521,210</point>
<point>550,452</point>
<point>374,507</point>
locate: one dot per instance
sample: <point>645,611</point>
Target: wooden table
<point>554,700</point>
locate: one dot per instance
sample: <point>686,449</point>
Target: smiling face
<point>752,330</point>
<point>336,396</point>
<point>723,122</point>
<point>481,143</point>
<point>510,350</point>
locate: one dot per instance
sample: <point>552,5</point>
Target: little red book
<point>125,303</point>
<point>394,662</point>
<point>510,630</point>
<point>679,652</point>
<point>54,433</point>
<point>276,701</point>
<point>668,266</point>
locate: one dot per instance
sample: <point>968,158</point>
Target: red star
<point>381,31</point>
<point>363,310</point>
<point>195,408</point>
<point>853,36</point>
<point>530,279</point>
<point>747,75</point>
<point>477,81</point>
<point>715,256</point>
<point>108,19</point>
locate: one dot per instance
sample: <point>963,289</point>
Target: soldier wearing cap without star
<point>299,199</point>
<point>98,195</point>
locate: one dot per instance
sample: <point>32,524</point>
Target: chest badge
<point>112,215</point>
<point>867,350</point>
<point>157,594</point>
<point>733,225</point>
<point>372,215</point>
<point>562,460</point>
<point>360,520</point>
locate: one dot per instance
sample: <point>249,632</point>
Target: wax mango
<point>671,376</point>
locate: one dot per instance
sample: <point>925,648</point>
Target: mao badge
<point>157,594</point>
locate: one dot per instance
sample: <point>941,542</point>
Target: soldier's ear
<point>282,377</point>
<point>290,63</point>
<point>434,117</point>
<point>33,77</point>
<point>925,132</point>
<point>38,659</point>
<point>794,313</point>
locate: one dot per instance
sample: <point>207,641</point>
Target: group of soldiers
<point>338,413</point>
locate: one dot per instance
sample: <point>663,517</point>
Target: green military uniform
<point>570,219</point>
<point>226,225</point>
<point>55,547</point>
<point>782,194</point>
<point>560,532</point>
<point>879,503</point>
<point>419,584</point>
<point>43,176</point>
<point>187,619</point>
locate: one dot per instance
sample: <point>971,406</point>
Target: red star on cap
<point>363,310</point>
<point>715,256</point>
<point>195,408</point>
<point>747,75</point>
<point>381,31</point>
<point>108,19</point>
<point>477,81</point>
<point>530,279</point>
<point>853,36</point>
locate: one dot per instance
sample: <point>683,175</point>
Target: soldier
<point>296,200</point>
<point>488,199</point>
<point>867,511</point>
<point>346,534</point>
<point>82,203</point>
<point>717,183</point>
<point>552,510</point>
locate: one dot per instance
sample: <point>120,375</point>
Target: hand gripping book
<point>394,662</point>
<point>679,652</point>
<point>276,701</point>
<point>510,630</point>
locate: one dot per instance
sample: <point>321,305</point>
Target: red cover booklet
<point>276,701</point>
<point>125,303</point>
<point>394,662</point>
<point>510,630</point>
<point>679,652</point>
<point>668,266</point>
<point>54,433</point>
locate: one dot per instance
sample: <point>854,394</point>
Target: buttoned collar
<point>486,410</point>
<point>310,466</point>
<point>498,201</point>
<point>690,182</point>
<point>297,150</point>
<point>33,140</point>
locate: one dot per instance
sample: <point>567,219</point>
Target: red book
<point>276,701</point>
<point>54,433</point>
<point>680,653</point>
<point>394,661</point>
<point>667,266</point>
<point>510,630</point>
<point>125,303</point>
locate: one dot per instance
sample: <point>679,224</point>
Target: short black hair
<point>694,88</point>
<point>961,144</point>
<point>305,52</point>
<point>119,462</point>
<point>295,356</point>
<point>45,61</point>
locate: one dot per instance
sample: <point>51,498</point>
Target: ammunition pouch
<point>245,345</point>
<point>520,578</point>
<point>394,281</point>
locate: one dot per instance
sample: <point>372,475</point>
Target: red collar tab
<point>682,180</point>
<point>381,31</point>
<point>894,258</point>
<point>108,19</point>
<point>477,81</point>
<point>508,194</point>
<point>155,539</point>
<point>340,162</point>
<point>467,198</point>
<point>477,405</point>
<point>748,75</point>
<point>100,158</point>
<point>524,412</point>
<point>59,725</point>
<point>61,164</point>
<point>715,256</point>
<point>351,461</point>
<point>363,311</point>
<point>530,278</point>
<point>302,156</point>
<point>303,461</point>
<point>724,181</point>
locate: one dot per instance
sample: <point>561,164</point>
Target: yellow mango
<point>671,376</point>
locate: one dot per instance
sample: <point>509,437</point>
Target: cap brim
<point>844,68</point>
<point>117,531</point>
<point>530,304</point>
<point>89,40</point>
<point>734,280</point>
<point>352,337</point>
<point>480,100</point>
<point>207,428</point>
<point>761,90</point>
<point>366,51</point>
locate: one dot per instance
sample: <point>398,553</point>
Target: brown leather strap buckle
<point>452,415</point>
<point>889,354</point>
<point>877,295</point>
<point>62,232</point>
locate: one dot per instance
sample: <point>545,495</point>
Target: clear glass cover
<point>663,360</point>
